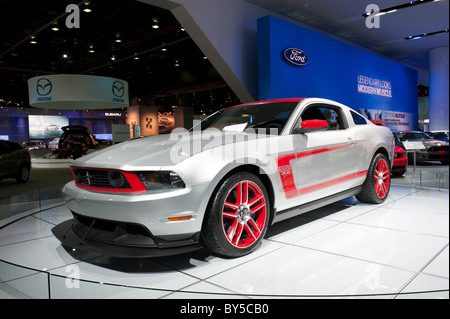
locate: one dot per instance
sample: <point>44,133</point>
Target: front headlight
<point>157,180</point>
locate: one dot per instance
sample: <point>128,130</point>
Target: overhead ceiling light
<point>65,56</point>
<point>86,8</point>
<point>164,49</point>
<point>155,23</point>
<point>55,26</point>
<point>117,40</point>
<point>396,8</point>
<point>420,36</point>
<point>113,58</point>
<point>33,40</point>
<point>91,48</point>
<point>177,62</point>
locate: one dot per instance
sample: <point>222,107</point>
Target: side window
<point>358,119</point>
<point>15,147</point>
<point>332,114</point>
<point>5,148</point>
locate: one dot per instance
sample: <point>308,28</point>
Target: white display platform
<point>398,249</point>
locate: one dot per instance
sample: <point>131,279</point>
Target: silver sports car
<point>224,182</point>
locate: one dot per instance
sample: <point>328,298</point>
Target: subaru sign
<point>295,56</point>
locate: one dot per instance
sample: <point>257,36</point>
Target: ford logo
<point>295,56</point>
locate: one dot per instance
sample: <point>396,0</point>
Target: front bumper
<point>151,210</point>
<point>430,155</point>
<point>400,164</point>
<point>134,224</point>
<point>112,239</point>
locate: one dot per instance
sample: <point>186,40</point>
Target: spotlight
<point>33,40</point>
<point>87,9</point>
<point>117,40</point>
<point>55,26</point>
<point>155,23</point>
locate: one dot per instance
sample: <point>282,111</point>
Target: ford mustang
<point>224,182</point>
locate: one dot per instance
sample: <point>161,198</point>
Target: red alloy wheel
<point>244,214</point>
<point>382,178</point>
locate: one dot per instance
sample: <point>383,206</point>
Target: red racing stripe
<point>287,176</point>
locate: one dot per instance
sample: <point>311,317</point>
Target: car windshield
<point>407,136</point>
<point>267,118</point>
<point>439,135</point>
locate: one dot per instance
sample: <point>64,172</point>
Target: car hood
<point>153,152</point>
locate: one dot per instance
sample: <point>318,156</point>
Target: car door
<point>326,162</point>
<point>7,164</point>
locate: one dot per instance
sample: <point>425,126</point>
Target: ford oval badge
<point>295,56</point>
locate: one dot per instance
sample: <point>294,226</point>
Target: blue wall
<point>333,70</point>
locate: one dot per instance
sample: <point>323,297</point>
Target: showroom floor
<point>346,250</point>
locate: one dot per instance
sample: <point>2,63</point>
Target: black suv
<point>15,161</point>
<point>75,141</point>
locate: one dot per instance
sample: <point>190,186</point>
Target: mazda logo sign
<point>43,87</point>
<point>118,89</point>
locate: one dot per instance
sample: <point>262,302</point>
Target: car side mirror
<point>311,126</point>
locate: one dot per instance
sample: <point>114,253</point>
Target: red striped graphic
<point>287,177</point>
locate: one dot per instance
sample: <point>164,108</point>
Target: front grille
<point>99,178</point>
<point>439,148</point>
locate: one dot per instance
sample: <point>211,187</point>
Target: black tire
<point>378,181</point>
<point>23,174</point>
<point>236,231</point>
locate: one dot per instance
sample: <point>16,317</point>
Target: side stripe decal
<point>287,176</point>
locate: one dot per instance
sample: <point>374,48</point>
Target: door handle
<point>351,142</point>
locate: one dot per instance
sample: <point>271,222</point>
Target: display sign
<point>335,70</point>
<point>370,85</point>
<point>396,121</point>
<point>46,126</point>
<point>414,145</point>
<point>77,92</point>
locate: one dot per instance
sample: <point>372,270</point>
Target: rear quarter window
<point>358,119</point>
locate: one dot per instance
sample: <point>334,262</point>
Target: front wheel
<point>238,216</point>
<point>378,181</point>
<point>23,174</point>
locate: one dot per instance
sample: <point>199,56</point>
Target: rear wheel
<point>378,181</point>
<point>238,216</point>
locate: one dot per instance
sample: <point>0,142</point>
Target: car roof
<point>296,100</point>
<point>74,127</point>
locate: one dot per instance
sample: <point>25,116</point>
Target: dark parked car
<point>75,141</point>
<point>425,147</point>
<point>34,145</point>
<point>15,161</point>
